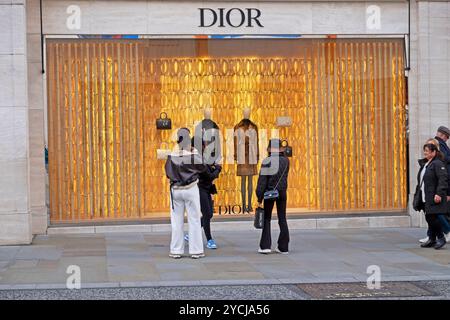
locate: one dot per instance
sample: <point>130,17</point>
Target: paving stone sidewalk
<point>141,260</point>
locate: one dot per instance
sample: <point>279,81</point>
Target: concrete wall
<point>168,17</point>
<point>429,80</point>
<point>15,219</point>
<point>36,115</point>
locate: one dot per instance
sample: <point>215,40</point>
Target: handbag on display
<point>287,148</point>
<point>259,218</point>
<point>162,154</point>
<point>163,123</point>
<point>284,121</point>
<point>274,194</point>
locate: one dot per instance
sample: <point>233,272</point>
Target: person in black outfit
<point>440,142</point>
<point>207,189</point>
<point>274,175</point>
<point>442,136</point>
<point>432,186</point>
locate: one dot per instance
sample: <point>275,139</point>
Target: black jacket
<point>445,150</point>
<point>435,182</point>
<point>268,178</point>
<point>184,167</point>
<point>208,176</point>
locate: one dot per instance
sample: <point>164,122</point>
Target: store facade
<point>338,71</point>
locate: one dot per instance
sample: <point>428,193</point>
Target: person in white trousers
<point>183,168</point>
<point>186,198</point>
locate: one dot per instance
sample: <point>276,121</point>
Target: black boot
<point>440,243</point>
<point>430,243</point>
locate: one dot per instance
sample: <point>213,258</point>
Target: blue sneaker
<point>186,237</point>
<point>211,244</point>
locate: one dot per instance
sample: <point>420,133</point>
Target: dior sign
<point>234,17</point>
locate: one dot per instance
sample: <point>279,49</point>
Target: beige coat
<point>246,148</point>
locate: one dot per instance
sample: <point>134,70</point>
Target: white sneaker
<point>197,256</point>
<point>175,255</point>
<point>264,251</point>
<point>282,252</point>
<point>424,240</point>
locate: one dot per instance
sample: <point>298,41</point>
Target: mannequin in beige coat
<point>246,154</point>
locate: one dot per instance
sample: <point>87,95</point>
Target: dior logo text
<point>234,17</point>
<point>231,209</point>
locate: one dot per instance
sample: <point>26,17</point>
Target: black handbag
<point>259,218</point>
<point>213,189</point>
<point>287,148</point>
<point>274,194</point>
<point>163,123</point>
<point>417,200</point>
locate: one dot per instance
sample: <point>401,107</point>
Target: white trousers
<point>186,199</point>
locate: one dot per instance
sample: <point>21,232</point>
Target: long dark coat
<point>435,182</point>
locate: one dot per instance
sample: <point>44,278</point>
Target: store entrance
<point>345,97</point>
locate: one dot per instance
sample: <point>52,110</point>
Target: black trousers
<point>206,205</point>
<point>266,238</point>
<point>434,226</point>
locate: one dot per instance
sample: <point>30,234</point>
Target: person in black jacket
<point>442,136</point>
<point>432,185</point>
<point>206,187</point>
<point>439,141</point>
<point>274,175</point>
<point>183,168</point>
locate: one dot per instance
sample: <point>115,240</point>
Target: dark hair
<point>274,143</point>
<point>432,147</point>
<point>181,133</point>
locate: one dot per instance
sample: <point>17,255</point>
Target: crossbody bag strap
<point>279,180</point>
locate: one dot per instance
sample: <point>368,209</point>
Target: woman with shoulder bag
<point>272,187</point>
<point>431,194</point>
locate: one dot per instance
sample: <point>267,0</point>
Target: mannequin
<point>207,133</point>
<point>246,154</point>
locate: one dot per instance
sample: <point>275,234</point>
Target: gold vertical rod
<point>92,196</point>
<point>105,116</point>
<point>122,131</point>
<point>114,126</point>
<point>388,123</point>
<point>379,125</point>
<point>138,133</point>
<point>320,125</point>
<point>84,107</point>
<point>354,136</point>
<point>77,141</point>
<point>68,129</point>
<point>342,127</point>
<point>372,163</point>
<point>307,115</point>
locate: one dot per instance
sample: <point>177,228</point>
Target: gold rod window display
<point>346,98</point>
